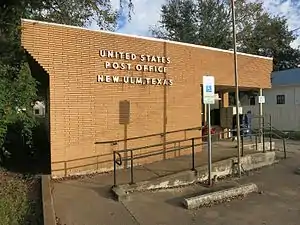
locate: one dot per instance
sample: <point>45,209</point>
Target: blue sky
<point>147,13</point>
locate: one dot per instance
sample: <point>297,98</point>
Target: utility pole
<point>236,78</point>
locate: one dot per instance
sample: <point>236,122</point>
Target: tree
<point>181,27</point>
<point>209,23</point>
<point>263,34</point>
<point>17,90</point>
<point>212,16</point>
<point>76,12</point>
<point>193,23</point>
<point>17,86</point>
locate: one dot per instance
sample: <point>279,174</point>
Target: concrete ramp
<point>220,169</point>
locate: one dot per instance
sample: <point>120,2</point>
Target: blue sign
<point>208,88</point>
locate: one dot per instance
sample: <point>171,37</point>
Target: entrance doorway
<point>214,112</point>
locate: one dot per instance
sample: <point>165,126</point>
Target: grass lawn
<point>20,199</point>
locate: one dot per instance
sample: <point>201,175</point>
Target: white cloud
<point>289,9</point>
<point>147,13</point>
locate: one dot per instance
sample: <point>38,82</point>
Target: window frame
<point>36,111</point>
<point>280,99</point>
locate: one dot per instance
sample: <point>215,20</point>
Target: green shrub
<point>14,202</point>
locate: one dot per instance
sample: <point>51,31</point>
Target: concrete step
<point>222,168</point>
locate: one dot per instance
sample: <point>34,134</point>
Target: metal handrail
<point>118,159</point>
<point>262,134</point>
<point>271,133</point>
<point>131,158</point>
<point>284,135</point>
<point>150,135</point>
<point>157,145</point>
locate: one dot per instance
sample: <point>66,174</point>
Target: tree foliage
<point>18,88</point>
<point>191,22</point>
<point>75,12</point>
<point>180,27</point>
<point>208,22</point>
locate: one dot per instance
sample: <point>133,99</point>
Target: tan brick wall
<point>84,111</point>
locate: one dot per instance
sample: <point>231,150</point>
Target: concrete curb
<point>210,198</point>
<point>220,169</point>
<point>48,207</point>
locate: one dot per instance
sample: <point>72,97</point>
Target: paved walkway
<point>278,202</point>
<point>220,150</point>
<point>88,200</point>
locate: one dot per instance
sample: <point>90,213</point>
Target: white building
<point>39,109</point>
<point>282,100</point>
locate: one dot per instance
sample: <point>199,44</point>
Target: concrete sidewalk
<point>277,203</point>
<point>88,200</point>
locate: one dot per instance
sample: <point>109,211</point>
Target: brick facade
<point>84,111</point>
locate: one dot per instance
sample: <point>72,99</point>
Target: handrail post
<point>256,142</point>
<point>115,176</point>
<point>284,148</point>
<point>65,168</point>
<point>271,145</point>
<point>131,167</point>
<point>97,160</point>
<point>242,140</point>
<point>263,134</point>
<point>193,153</point>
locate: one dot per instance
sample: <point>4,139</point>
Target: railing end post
<point>193,154</point>
<point>65,168</point>
<point>242,140</point>
<point>131,167</point>
<point>114,161</point>
<point>284,148</point>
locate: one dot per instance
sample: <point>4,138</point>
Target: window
<point>36,111</point>
<point>280,99</point>
<point>252,100</point>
